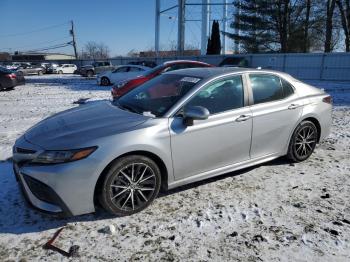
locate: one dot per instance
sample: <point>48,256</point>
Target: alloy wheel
<point>133,187</point>
<point>104,81</point>
<point>305,141</point>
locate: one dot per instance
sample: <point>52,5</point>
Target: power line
<point>51,47</point>
<point>34,31</point>
<point>39,43</point>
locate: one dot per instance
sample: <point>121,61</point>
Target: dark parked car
<point>9,79</point>
<point>123,87</point>
<point>96,68</point>
<point>51,68</point>
<point>144,63</point>
<point>30,69</point>
<point>234,62</point>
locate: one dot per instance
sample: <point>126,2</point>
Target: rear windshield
<point>153,70</point>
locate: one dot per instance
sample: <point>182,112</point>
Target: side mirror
<point>194,113</point>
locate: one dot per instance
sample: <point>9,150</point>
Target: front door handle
<point>293,106</point>
<point>242,118</point>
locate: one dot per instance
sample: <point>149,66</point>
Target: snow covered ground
<point>274,212</point>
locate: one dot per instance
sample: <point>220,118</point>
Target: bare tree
<point>306,27</point>
<point>93,50</point>
<point>344,10</point>
<point>329,25</point>
<point>132,53</point>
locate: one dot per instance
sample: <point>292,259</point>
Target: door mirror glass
<point>195,113</point>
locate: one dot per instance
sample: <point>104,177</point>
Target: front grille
<point>24,150</point>
<point>40,190</point>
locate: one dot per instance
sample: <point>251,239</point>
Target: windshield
<point>158,95</point>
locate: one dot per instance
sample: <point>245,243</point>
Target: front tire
<point>40,73</point>
<point>60,72</point>
<point>303,141</point>
<point>130,185</point>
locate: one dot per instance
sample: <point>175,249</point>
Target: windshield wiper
<point>128,108</point>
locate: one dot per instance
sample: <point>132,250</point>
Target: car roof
<point>212,72</point>
<point>183,61</point>
<point>136,66</point>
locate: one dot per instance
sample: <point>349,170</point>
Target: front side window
<point>220,96</point>
<point>265,88</point>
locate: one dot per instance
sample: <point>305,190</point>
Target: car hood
<point>75,127</point>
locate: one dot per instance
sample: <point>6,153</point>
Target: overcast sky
<point>122,25</point>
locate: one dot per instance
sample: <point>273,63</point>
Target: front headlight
<point>62,156</point>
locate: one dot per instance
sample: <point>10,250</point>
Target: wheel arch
<point>160,163</point>
<point>316,122</point>
<point>106,77</point>
<point>309,117</point>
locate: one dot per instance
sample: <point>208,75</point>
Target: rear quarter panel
<point>314,107</point>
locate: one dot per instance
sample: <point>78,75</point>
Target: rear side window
<point>194,65</point>
<point>134,69</point>
<point>176,66</point>
<point>287,88</point>
<point>121,69</point>
<point>266,88</point>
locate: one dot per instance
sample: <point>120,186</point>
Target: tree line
<point>291,25</point>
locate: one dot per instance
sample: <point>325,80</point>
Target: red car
<point>123,87</point>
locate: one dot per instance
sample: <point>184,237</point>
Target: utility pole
<point>205,26</point>
<point>181,27</point>
<point>237,28</point>
<point>157,25</point>
<point>224,26</point>
<point>73,40</point>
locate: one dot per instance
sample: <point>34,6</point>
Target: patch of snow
<point>271,212</point>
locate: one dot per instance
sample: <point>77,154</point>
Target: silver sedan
<point>175,129</point>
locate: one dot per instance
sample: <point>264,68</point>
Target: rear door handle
<point>293,106</point>
<point>242,118</point>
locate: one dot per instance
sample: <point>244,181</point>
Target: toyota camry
<point>180,127</point>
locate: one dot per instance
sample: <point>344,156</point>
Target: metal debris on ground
<point>72,252</point>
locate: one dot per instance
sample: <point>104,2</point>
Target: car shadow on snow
<point>276,162</point>
<point>18,217</point>
<point>71,82</point>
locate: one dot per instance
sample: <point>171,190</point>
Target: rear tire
<point>131,185</point>
<point>40,73</point>
<point>303,141</point>
<point>105,81</point>
<point>89,73</point>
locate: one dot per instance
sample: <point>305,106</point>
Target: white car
<point>65,69</point>
<point>13,66</point>
<point>120,73</point>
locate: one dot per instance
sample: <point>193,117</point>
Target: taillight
<point>11,76</point>
<point>327,99</point>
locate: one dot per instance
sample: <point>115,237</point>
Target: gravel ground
<point>277,211</point>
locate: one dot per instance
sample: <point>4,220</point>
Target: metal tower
<point>205,23</point>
